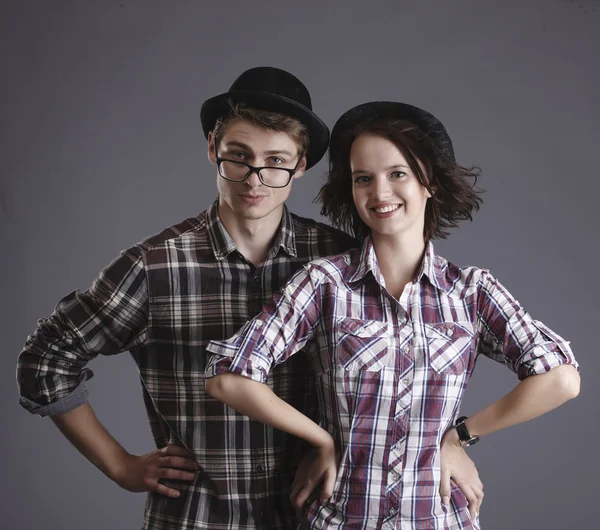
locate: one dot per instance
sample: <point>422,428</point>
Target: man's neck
<point>252,237</point>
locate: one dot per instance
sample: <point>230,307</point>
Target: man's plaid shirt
<point>163,300</point>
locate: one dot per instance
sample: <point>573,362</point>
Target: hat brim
<point>394,110</point>
<point>318,132</point>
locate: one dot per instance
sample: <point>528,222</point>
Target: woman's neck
<point>399,258</point>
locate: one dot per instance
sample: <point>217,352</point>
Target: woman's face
<point>387,194</point>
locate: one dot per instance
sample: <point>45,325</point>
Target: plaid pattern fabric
<point>163,300</point>
<point>391,375</point>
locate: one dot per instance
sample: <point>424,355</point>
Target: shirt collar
<point>223,244</point>
<point>286,236</point>
<point>433,267</point>
<point>363,262</point>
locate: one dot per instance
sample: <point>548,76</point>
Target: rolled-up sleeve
<point>108,318</point>
<point>508,334</point>
<point>280,330</point>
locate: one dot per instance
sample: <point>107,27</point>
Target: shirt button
<point>406,381</point>
<point>392,510</point>
<point>259,323</point>
<point>260,468</point>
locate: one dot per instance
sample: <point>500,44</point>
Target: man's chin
<point>254,213</point>
<point>243,211</point>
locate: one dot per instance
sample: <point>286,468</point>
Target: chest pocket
<point>449,346</point>
<point>361,344</point>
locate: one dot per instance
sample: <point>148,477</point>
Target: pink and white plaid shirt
<point>391,375</point>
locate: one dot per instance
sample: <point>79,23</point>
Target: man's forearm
<point>82,428</point>
<point>531,398</point>
<point>258,402</point>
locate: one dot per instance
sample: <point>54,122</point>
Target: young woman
<point>393,331</point>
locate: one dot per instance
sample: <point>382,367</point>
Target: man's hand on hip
<point>142,473</point>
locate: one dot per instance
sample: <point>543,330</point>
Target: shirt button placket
<point>255,296</point>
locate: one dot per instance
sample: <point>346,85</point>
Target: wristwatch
<point>463,434</point>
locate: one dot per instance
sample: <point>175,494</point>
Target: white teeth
<point>387,209</point>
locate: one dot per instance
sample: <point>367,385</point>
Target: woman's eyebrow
<point>396,166</point>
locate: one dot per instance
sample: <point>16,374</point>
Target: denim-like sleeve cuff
<point>71,401</point>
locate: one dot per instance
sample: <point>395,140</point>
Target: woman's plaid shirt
<point>391,375</point>
<point>164,300</point>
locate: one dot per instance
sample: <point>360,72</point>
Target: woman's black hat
<point>273,90</point>
<point>368,112</point>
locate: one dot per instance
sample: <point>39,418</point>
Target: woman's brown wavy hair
<point>454,197</point>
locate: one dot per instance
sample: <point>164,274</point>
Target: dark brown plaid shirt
<point>163,300</point>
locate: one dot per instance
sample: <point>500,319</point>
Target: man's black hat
<point>273,90</point>
<point>427,122</point>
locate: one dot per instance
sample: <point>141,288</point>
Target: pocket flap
<point>362,328</point>
<point>449,346</point>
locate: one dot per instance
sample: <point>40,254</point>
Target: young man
<point>165,298</point>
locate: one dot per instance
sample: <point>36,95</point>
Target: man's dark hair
<point>271,121</point>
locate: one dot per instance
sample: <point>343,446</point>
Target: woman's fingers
<point>445,486</point>
<point>300,498</point>
<point>328,484</point>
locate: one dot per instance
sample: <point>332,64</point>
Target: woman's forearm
<point>531,398</point>
<point>258,402</point>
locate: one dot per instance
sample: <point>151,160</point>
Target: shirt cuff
<point>240,355</point>
<point>548,355</point>
<point>71,401</point>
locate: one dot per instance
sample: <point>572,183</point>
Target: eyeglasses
<point>272,177</point>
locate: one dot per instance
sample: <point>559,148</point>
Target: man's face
<point>244,142</point>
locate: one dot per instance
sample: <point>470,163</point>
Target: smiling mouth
<point>386,209</point>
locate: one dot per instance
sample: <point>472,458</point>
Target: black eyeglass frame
<point>252,169</point>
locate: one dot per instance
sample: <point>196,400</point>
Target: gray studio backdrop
<point>101,146</point>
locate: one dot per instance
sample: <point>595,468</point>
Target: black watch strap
<point>463,433</point>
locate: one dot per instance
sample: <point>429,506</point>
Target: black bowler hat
<point>273,90</point>
<point>368,112</point>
